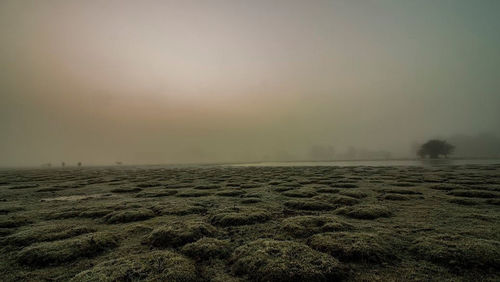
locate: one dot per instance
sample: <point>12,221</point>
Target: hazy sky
<point>188,81</point>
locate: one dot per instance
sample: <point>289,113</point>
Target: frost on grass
<point>473,194</point>
<point>128,216</point>
<point>271,260</point>
<point>194,194</point>
<point>365,211</point>
<point>207,248</point>
<point>354,194</point>
<point>230,193</point>
<point>458,251</point>
<point>309,204</point>
<point>353,246</point>
<point>45,233</point>
<point>151,266</point>
<point>178,234</point>
<point>396,197</point>
<point>300,193</point>
<point>58,252</point>
<point>304,226</point>
<point>243,217</point>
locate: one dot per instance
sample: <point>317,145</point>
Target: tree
<point>434,148</point>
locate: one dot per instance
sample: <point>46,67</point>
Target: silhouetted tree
<point>434,148</point>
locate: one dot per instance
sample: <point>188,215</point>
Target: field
<point>251,224</point>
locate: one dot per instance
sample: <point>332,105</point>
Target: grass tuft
<point>365,211</point>
<point>271,260</point>
<point>178,234</point>
<point>151,266</point>
<point>353,246</point>
<point>63,251</point>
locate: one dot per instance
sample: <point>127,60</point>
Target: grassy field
<point>251,224</point>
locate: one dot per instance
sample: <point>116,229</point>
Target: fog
<point>150,82</point>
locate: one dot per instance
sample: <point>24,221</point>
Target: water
<point>417,162</point>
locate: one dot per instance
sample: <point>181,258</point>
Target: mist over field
<point>147,82</point>
<point>249,140</point>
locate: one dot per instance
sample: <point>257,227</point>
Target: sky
<point>149,82</point>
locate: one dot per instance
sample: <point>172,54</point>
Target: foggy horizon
<point>165,82</point>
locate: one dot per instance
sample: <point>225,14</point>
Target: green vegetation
<point>396,197</point>
<point>217,223</point>
<point>46,232</point>
<point>193,193</point>
<point>207,248</point>
<point>309,205</point>
<point>240,218</point>
<point>64,251</point>
<point>353,246</point>
<point>152,266</point>
<point>459,252</point>
<point>126,190</point>
<point>178,234</point>
<point>365,211</point>
<point>300,193</point>
<point>230,193</point>
<point>128,216</point>
<point>304,226</point>
<point>473,194</point>
<point>271,260</point>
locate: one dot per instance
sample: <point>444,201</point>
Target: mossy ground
<point>217,223</point>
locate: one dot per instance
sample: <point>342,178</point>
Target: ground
<point>219,223</point>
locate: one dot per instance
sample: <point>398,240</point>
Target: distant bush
<point>434,148</point>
